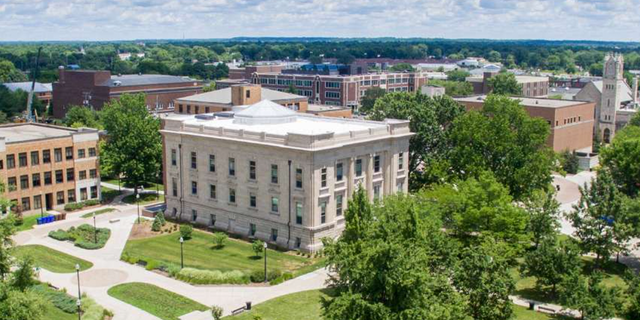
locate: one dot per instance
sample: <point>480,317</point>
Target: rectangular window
<point>194,215</point>
<point>94,192</point>
<point>11,161</point>
<point>232,166</point>
<point>323,213</point>
<point>194,161</point>
<point>274,235</point>
<point>252,170</point>
<point>70,174</point>
<point>212,191</point>
<point>358,167</point>
<point>274,204</point>
<point>376,192</point>
<point>22,159</point>
<point>212,220</point>
<point>12,183</point>
<point>68,151</point>
<point>376,164</point>
<point>83,194</point>
<point>37,202</point>
<point>252,230</point>
<point>57,153</point>
<point>92,152</point>
<point>24,182</point>
<point>338,205</point>
<point>35,158</point>
<point>332,84</point>
<point>400,186</point>
<point>60,197</point>
<point>232,195</point>
<point>46,156</point>
<point>274,173</point>
<point>194,188</point>
<point>59,176</point>
<point>35,180</point>
<point>339,171</point>
<point>26,204</point>
<point>174,187</point>
<point>212,163</point>
<point>71,195</point>
<point>47,178</point>
<point>1,164</point>
<point>252,200</point>
<point>83,175</point>
<point>298,242</point>
<point>332,95</point>
<point>298,213</point>
<point>299,178</point>
<point>323,178</point>
<point>81,154</point>
<point>174,157</point>
<point>93,173</point>
<point>401,161</point>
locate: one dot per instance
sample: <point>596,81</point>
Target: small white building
<point>264,171</point>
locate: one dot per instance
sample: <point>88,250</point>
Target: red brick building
<point>95,88</point>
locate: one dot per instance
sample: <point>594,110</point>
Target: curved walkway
<point>108,270</point>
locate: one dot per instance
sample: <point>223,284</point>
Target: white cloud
<point>500,19</point>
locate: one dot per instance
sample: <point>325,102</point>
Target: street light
<point>265,262</point>
<point>181,253</point>
<point>95,229</point>
<point>79,303</point>
<point>78,275</point>
<point>138,202</point>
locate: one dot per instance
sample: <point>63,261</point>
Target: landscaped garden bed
<point>85,236</point>
<point>50,259</point>
<point>211,258</point>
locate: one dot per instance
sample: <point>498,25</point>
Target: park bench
<point>546,310</point>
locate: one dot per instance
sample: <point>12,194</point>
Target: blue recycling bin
<point>39,221</point>
<point>49,219</point>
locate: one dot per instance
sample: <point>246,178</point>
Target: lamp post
<point>78,275</point>
<point>181,253</point>
<point>265,262</point>
<point>95,229</point>
<point>138,202</point>
<point>41,205</point>
<point>79,303</point>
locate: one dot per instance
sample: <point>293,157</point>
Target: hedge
<point>92,310</point>
<point>59,299</point>
<point>83,236</point>
<point>79,205</point>
<point>258,275</point>
<point>196,276</point>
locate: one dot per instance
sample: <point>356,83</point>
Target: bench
<point>238,311</point>
<point>114,220</point>
<point>546,310</point>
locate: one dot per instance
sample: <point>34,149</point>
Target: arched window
<point>606,136</point>
<point>174,212</point>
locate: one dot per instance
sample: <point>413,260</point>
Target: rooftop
<point>223,96</point>
<point>127,80</point>
<point>26,86</point>
<point>13,133</point>
<point>529,102</point>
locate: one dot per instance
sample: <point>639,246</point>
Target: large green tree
<point>13,103</point>
<point>543,210</point>
<point>79,116</point>
<point>371,95</point>
<point>393,263</point>
<point>9,73</point>
<point>622,157</point>
<point>504,139</point>
<point>458,75</point>
<point>430,120</point>
<point>589,296</point>
<point>551,262</point>
<point>454,88</point>
<point>133,146</point>
<point>505,84</point>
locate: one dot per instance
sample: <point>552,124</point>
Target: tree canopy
<point>370,97</point>
<point>505,84</point>
<point>621,158</point>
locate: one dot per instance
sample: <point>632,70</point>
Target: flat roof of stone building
<point>13,133</point>
<point>529,102</point>
<point>223,96</point>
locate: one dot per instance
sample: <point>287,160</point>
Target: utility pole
<point>30,117</point>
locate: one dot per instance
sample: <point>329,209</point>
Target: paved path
<point>116,187</point>
<point>108,270</point>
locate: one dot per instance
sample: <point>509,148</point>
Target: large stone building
<point>532,86</point>
<point>616,103</point>
<point>571,122</point>
<point>265,171</point>
<point>45,167</point>
<point>95,88</point>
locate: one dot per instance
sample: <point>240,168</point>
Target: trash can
<point>39,221</point>
<point>532,305</point>
<point>248,305</point>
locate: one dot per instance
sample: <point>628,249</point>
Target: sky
<point>32,20</point>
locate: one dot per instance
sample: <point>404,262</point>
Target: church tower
<point>612,85</point>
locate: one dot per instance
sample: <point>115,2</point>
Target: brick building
<point>95,88</point>
<point>531,86</point>
<point>45,167</point>
<point>571,121</point>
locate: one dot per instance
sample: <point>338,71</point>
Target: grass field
<point>199,253</point>
<point>145,198</point>
<point>53,313</point>
<point>28,223</point>
<point>159,302</point>
<point>98,212</point>
<point>147,186</point>
<point>52,260</point>
<point>307,306</point>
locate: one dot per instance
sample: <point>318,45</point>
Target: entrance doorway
<point>48,200</point>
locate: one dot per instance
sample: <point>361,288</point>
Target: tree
<point>543,210</point>
<point>598,217</point>
<point>258,247</point>
<point>589,296</point>
<point>621,159</point>
<point>633,291</point>
<point>551,262</point>
<point>570,162</point>
<point>483,276</point>
<point>504,139</point>
<point>16,304</point>
<point>211,86</point>
<point>315,59</point>
<point>24,275</point>
<point>431,120</point>
<point>505,84</point>
<point>292,89</point>
<point>635,120</point>
<point>9,73</point>
<point>14,103</point>
<point>458,75</point>
<point>345,58</point>
<point>219,239</point>
<point>402,67</point>
<point>395,263</point>
<point>80,116</point>
<point>371,95</point>
<point>454,88</point>
<point>494,56</point>
<point>7,230</point>
<point>133,146</point>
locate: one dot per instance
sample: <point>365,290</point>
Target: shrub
<point>59,299</point>
<point>570,162</point>
<point>216,312</point>
<point>196,276</point>
<point>160,217</point>
<point>92,310</point>
<point>79,205</point>
<point>59,235</point>
<point>152,265</point>
<point>258,275</point>
<point>156,226</point>
<point>284,277</point>
<point>173,270</point>
<point>258,246</point>
<point>219,239</point>
<point>186,231</point>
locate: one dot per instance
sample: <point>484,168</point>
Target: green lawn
<point>52,260</point>
<point>98,212</point>
<point>199,253</point>
<point>28,222</point>
<point>145,198</point>
<point>147,186</point>
<point>522,313</point>
<point>109,194</point>
<point>159,302</point>
<point>53,313</point>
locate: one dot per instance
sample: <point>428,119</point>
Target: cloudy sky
<point>165,19</point>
